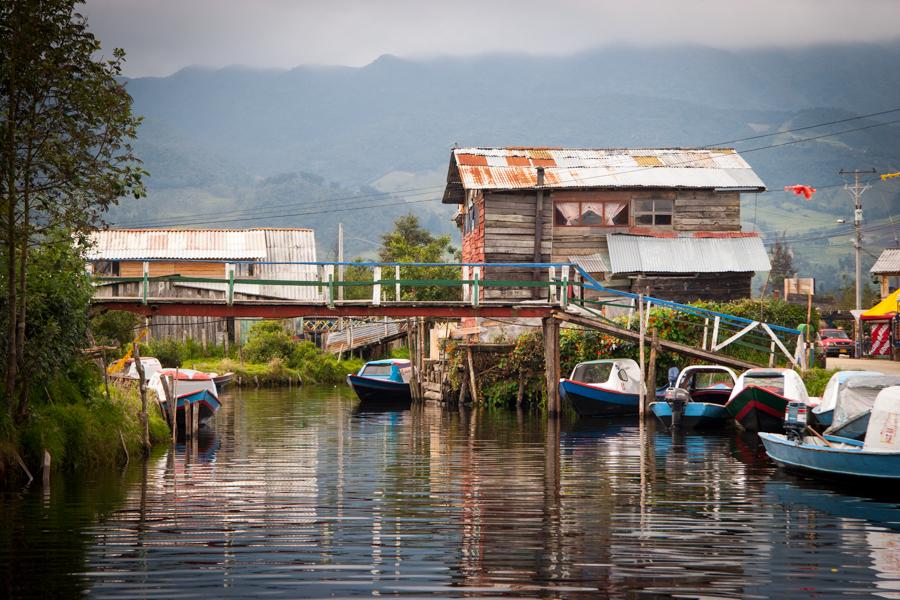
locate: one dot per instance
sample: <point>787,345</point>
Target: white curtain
<point>592,213</point>
<point>569,212</point>
<point>613,212</point>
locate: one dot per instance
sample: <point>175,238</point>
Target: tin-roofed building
<point>663,221</point>
<point>204,253</point>
<point>887,268</point>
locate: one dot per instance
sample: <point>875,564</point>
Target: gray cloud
<point>162,36</point>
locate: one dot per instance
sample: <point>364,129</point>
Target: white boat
<point>854,403</point>
<point>824,412</point>
<point>191,387</point>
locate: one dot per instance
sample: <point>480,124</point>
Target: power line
<point>255,212</point>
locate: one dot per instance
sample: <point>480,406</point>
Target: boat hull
<point>590,401</point>
<point>823,418</point>
<point>697,415</point>
<point>208,403</point>
<point>821,461</point>
<point>756,409</point>
<point>223,381</point>
<point>382,391</point>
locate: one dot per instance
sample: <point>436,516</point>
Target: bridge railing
<point>554,284</point>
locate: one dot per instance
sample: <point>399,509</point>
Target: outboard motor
<point>795,421</point>
<point>676,397</point>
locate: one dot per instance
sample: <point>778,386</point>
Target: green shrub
<point>115,327</point>
<point>268,340</point>
<point>817,379</point>
<point>170,353</point>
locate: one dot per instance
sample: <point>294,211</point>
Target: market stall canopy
<point>886,309</point>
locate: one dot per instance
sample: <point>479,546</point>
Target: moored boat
<point>603,388</point>
<point>853,405</point>
<point>129,371</point>
<point>696,398</point>
<point>760,396</point>
<point>191,387</point>
<point>383,381</point>
<point>824,412</point>
<point>222,381</point>
<point>876,458</point>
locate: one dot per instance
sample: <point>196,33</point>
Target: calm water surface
<point>303,493</point>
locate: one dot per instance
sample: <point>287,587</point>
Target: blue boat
<point>191,387</point>
<point>875,458</point>
<point>384,382</point>
<point>603,388</point>
<point>696,397</point>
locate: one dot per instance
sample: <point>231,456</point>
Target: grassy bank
<point>79,426</point>
<point>320,369</point>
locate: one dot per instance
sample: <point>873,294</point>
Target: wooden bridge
<point>552,292</point>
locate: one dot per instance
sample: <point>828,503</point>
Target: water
<point>301,493</point>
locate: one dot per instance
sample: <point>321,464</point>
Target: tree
<point>65,153</point>
<point>782,259</point>
<point>410,242</point>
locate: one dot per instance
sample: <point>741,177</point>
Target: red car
<point>834,342</point>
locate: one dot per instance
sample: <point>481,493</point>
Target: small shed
<point>887,268</point>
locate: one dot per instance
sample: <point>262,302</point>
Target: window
<point>653,212</point>
<point>592,372</point>
<point>610,213</point>
<point>377,371</point>
<point>470,221</point>
<point>245,270</point>
<point>106,268</point>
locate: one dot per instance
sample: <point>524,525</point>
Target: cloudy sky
<point>162,36</point>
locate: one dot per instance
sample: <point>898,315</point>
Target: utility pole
<point>856,191</point>
<point>340,258</point>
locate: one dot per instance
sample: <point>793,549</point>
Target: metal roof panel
<point>888,262</point>
<point>643,254</point>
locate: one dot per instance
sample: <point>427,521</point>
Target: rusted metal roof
<point>189,244</point>
<point>888,262</point>
<point>643,254</point>
<point>516,168</point>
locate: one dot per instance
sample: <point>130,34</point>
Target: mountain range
<point>314,146</point>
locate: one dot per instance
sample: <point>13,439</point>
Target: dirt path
<point>887,367</point>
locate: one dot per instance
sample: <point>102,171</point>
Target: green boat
<point>760,396</point>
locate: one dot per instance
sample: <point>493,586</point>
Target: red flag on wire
<point>806,191</point>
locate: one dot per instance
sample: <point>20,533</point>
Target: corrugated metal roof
<point>888,262</point>
<point>592,263</point>
<point>641,254</point>
<point>191,244</point>
<point>516,168</point>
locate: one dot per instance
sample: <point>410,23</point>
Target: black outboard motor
<point>795,421</point>
<point>676,397</point>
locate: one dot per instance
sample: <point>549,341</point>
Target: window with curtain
<point>610,213</point>
<point>653,212</point>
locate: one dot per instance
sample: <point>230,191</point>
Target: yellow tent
<point>884,309</point>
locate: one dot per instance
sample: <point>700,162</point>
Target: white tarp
<point>882,434</point>
<point>858,396</point>
<point>836,385</point>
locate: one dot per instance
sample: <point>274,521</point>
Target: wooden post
<point>473,390</point>
<point>171,401</point>
<point>551,364</point>
<point>538,226</point>
<point>772,355</point>
<point>45,469</point>
<point>464,383</point>
<point>651,371</point>
<point>641,333</point>
<point>705,332</point>
<point>808,312</point>
<point>142,387</point>
<point>195,420</point>
<point>105,373</point>
<point>465,286</point>
<point>520,392</point>
<point>715,333</point>
<point>376,287</point>
<point>397,284</point>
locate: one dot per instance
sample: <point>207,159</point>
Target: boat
<point>877,457</point>
<point>129,372</point>
<point>383,381</point>
<point>696,397</point>
<point>603,388</point>
<point>853,405</point>
<point>760,396</point>
<point>824,412</point>
<point>191,387</point>
<point>222,381</point>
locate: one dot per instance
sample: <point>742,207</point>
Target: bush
<point>268,340</point>
<point>170,353</point>
<point>817,379</point>
<point>115,327</point>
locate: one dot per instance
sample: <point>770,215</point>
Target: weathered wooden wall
<point>707,210</point>
<point>701,286</point>
<point>509,220</point>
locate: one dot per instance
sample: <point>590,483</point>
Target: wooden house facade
<point>662,221</point>
<point>263,254</point>
<point>887,269</point>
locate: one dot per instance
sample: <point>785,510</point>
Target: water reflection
<point>306,493</point>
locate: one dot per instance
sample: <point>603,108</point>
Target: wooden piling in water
<point>642,394</point>
<point>473,389</point>
<point>551,364</point>
<point>651,371</point>
<point>142,387</point>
